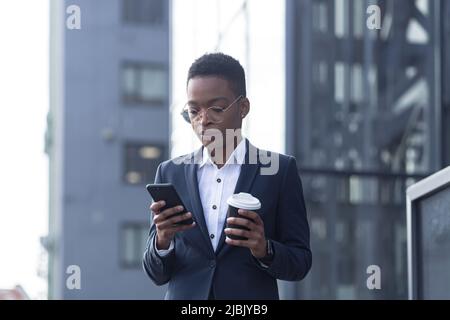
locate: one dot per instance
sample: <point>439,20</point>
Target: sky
<point>196,25</point>
<point>23,164</point>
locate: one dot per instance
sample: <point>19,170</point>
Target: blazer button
<point>212,264</point>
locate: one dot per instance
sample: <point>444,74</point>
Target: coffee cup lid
<point>244,201</point>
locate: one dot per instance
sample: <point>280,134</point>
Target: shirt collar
<point>236,157</point>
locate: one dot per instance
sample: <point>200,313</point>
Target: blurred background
<point>90,102</point>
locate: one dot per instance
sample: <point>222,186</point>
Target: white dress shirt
<point>215,187</point>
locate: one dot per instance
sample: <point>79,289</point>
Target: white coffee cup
<point>238,201</point>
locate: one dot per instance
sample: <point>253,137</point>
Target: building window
<point>144,83</point>
<point>133,240</point>
<point>144,12</point>
<point>141,162</point>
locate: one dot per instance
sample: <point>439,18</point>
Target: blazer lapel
<point>249,169</point>
<point>197,208</point>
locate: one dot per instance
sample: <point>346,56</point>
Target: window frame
<point>136,98</point>
<point>129,17</point>
<point>136,226</point>
<point>139,144</point>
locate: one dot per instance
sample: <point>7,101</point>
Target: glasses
<point>215,114</point>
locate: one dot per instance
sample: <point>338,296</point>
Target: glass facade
<point>364,121</point>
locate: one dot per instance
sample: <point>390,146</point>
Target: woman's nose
<point>204,116</point>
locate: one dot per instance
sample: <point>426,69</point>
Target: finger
<point>243,222</point>
<point>156,206</point>
<point>242,233</point>
<point>171,221</point>
<point>252,215</point>
<point>241,243</point>
<point>163,215</point>
<point>183,227</point>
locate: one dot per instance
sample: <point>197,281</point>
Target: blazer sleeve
<point>292,253</point>
<point>158,268</point>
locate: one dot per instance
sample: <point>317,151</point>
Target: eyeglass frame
<point>185,113</point>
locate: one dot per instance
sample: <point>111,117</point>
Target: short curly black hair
<point>223,66</point>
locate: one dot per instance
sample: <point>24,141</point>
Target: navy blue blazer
<point>193,268</point>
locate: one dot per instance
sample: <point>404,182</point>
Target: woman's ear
<point>244,107</point>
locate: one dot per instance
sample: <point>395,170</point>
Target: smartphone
<point>168,193</point>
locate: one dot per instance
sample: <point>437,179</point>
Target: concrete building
<point>108,128</point>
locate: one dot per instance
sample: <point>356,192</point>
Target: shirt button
<point>214,207</point>
<point>212,236</point>
<point>219,180</point>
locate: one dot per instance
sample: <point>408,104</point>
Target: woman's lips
<point>207,138</point>
<point>209,134</point>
